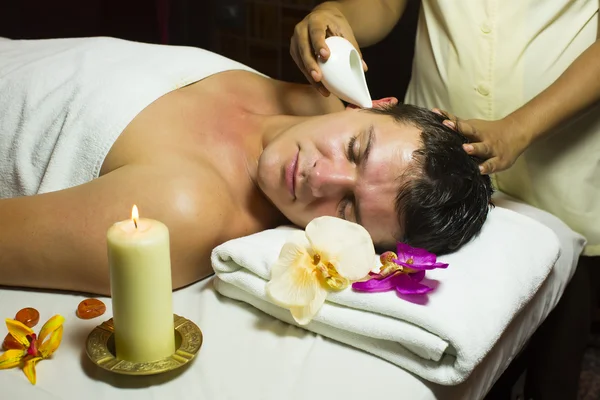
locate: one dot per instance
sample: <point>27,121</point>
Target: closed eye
<point>345,207</point>
<point>350,150</point>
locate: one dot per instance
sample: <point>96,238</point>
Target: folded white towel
<point>486,284</point>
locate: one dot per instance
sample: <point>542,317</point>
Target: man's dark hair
<point>444,199</point>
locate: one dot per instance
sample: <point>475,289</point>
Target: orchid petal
<point>11,358</point>
<point>303,315</point>
<point>406,285</point>
<point>346,245</point>
<point>49,346</point>
<point>19,331</point>
<point>417,276</point>
<point>295,247</point>
<point>29,368</point>
<point>421,266</point>
<point>293,280</point>
<point>376,284</point>
<point>416,267</point>
<point>49,327</point>
<point>419,256</point>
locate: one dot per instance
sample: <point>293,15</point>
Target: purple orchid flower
<point>403,271</point>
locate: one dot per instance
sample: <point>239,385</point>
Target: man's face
<point>347,164</point>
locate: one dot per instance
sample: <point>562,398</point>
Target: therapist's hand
<point>308,42</point>
<point>499,143</point>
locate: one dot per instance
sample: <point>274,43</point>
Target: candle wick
<point>135,223</point>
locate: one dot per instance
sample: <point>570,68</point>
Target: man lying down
<point>211,148</point>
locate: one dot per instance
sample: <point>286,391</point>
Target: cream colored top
<point>486,58</point>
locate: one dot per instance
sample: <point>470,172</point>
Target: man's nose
<point>329,179</point>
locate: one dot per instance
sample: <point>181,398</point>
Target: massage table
<point>247,354</point>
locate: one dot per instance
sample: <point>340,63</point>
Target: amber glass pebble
<point>10,343</point>
<point>90,308</point>
<point>28,316</point>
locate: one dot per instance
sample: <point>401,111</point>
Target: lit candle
<point>140,284</point>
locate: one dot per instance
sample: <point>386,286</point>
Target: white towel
<point>486,284</point>
<point>64,102</point>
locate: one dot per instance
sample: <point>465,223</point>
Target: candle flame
<point>135,215</point>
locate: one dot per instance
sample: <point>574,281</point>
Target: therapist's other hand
<point>308,42</point>
<point>499,143</point>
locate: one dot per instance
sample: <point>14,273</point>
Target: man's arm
<point>370,20</point>
<point>58,240</point>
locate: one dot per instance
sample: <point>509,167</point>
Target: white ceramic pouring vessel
<point>342,73</point>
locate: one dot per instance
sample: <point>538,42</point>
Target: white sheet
<point>249,355</point>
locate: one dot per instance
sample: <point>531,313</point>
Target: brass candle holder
<point>100,348</point>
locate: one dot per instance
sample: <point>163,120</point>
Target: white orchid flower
<point>328,256</point>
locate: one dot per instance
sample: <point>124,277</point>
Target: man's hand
<point>499,143</point>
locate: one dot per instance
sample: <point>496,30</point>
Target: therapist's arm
<point>361,22</point>
<point>574,91</point>
<point>371,20</point>
<point>501,142</point>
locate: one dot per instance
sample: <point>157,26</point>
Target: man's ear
<point>385,102</point>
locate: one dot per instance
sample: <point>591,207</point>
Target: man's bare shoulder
<point>211,208</point>
<point>264,95</point>
<point>199,210</point>
<point>196,193</point>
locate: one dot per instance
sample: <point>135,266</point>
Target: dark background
<point>254,32</point>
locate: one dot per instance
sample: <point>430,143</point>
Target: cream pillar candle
<point>141,291</point>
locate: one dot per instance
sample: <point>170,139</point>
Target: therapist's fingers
<point>437,111</point>
<point>444,113</point>
<point>301,51</point>
<point>317,32</point>
<point>295,53</point>
<point>451,120</point>
<point>464,128</point>
<point>491,163</point>
<point>489,166</point>
<point>298,60</point>
<point>479,149</point>
<point>304,41</point>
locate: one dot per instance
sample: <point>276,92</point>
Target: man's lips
<point>290,175</point>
